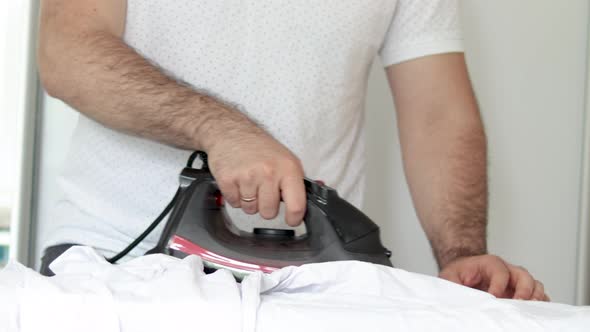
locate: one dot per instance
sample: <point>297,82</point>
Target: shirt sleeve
<point>420,28</point>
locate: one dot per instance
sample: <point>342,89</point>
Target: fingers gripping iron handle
<point>356,230</point>
<point>357,233</point>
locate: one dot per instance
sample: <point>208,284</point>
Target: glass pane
<point>8,120</point>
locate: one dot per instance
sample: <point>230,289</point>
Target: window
<point>14,47</point>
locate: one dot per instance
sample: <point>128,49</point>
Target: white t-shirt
<point>161,293</point>
<point>299,68</point>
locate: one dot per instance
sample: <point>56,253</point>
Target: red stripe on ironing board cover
<point>181,244</point>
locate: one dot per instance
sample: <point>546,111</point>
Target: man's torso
<point>298,68</point>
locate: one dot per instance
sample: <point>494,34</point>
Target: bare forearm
<point>444,149</point>
<point>99,75</point>
<point>447,175</point>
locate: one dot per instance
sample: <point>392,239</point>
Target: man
<point>271,90</point>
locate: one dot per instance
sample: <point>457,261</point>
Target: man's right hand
<point>254,171</point>
<point>84,62</point>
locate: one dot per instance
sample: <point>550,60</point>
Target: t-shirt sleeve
<point>420,28</point>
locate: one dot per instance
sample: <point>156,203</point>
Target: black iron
<point>335,231</point>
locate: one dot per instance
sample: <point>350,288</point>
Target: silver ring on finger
<point>248,199</point>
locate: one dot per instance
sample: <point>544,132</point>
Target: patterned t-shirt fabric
<point>299,68</point>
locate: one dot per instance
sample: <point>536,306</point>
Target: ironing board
<point>157,292</point>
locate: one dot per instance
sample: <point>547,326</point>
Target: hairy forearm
<point>100,76</point>
<point>446,169</point>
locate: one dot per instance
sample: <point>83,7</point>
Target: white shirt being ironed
<point>163,293</point>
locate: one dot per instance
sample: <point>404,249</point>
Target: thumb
<point>470,275</point>
<point>499,277</point>
<point>450,273</point>
<point>463,271</point>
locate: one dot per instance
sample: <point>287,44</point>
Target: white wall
<point>528,63</point>
<point>58,123</point>
<point>527,59</point>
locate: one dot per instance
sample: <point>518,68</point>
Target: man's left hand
<point>494,275</point>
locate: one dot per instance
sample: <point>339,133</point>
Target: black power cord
<point>165,212</point>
